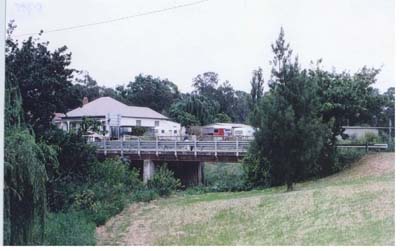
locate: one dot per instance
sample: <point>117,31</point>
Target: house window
<point>175,131</point>
<point>162,131</point>
<point>156,123</point>
<point>138,123</point>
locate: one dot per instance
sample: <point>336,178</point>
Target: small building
<point>358,132</point>
<point>118,120</point>
<point>221,130</point>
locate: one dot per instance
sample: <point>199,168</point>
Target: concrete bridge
<point>185,158</point>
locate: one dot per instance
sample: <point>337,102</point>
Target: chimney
<point>85,101</point>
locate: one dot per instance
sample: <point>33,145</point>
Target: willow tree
<point>24,174</point>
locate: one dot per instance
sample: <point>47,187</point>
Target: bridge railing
<point>138,146</point>
<point>238,147</point>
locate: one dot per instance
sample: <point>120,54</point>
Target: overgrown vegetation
<point>223,177</point>
<point>163,182</point>
<point>302,116</point>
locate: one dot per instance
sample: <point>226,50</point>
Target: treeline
<point>302,115</point>
<point>210,101</point>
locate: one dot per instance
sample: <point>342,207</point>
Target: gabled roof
<point>105,105</point>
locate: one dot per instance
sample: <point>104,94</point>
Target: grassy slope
<point>355,207</point>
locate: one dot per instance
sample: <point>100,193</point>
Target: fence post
<point>366,147</point>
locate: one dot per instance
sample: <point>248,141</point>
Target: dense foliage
<point>163,181</point>
<point>56,190</point>
<point>302,116</point>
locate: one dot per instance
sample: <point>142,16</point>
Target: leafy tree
<point>206,84</point>
<point>151,92</point>
<point>233,103</point>
<point>257,87</point>
<point>241,107</point>
<point>43,77</point>
<point>194,110</point>
<point>345,100</point>
<point>387,111</point>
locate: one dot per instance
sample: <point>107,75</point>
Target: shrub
<point>224,177</point>
<point>256,169</point>
<point>369,137</point>
<point>84,200</point>
<point>107,191</point>
<point>71,228</point>
<point>345,157</point>
<point>164,181</point>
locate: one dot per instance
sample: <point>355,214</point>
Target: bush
<point>345,157</point>
<point>164,181</point>
<point>109,189</point>
<point>71,228</point>
<point>223,177</point>
<point>369,137</point>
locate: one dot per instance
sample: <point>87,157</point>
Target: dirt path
<point>147,223</point>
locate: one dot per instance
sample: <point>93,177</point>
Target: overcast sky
<point>230,37</point>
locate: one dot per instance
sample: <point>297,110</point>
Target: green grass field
<point>354,207</point>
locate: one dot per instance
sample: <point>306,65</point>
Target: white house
<point>118,119</point>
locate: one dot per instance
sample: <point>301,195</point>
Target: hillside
<point>354,207</point>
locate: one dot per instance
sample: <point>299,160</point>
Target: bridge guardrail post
<point>237,147</point>
<point>176,155</point>
<point>156,145</point>
<point>195,147</point>
<point>138,146</point>
<point>215,147</point>
<point>122,148</point>
<point>104,146</point>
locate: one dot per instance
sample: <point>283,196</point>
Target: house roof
<point>227,125</point>
<point>106,105</point>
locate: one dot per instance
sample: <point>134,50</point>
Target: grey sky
<point>230,37</point>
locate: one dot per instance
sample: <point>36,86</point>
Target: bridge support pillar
<point>148,170</point>
<point>200,173</point>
